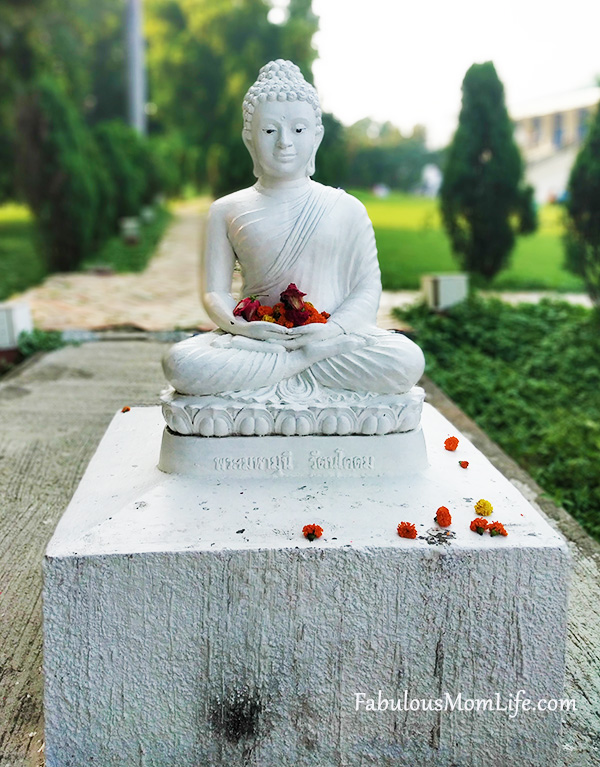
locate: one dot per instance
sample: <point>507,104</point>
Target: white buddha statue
<point>289,229</point>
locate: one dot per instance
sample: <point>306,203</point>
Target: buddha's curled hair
<point>279,80</point>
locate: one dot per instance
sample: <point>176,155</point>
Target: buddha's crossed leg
<point>213,363</point>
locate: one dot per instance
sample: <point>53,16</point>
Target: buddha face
<point>284,140</point>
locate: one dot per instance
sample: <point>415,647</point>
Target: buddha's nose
<point>285,139</point>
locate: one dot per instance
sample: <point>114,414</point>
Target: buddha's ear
<point>318,138</point>
<point>247,139</point>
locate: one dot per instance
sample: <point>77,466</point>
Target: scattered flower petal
<point>463,464</point>
<point>443,517</point>
<point>407,530</point>
<point>479,525</point>
<point>451,443</point>
<point>483,508</point>
<point>312,531</point>
<point>126,409</point>
<point>497,528</point>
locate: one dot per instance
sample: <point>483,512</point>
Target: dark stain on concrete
<point>13,392</point>
<point>239,715</point>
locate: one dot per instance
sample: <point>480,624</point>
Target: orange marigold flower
<point>312,531</point>
<point>451,443</point>
<point>443,517</point>
<point>463,464</point>
<point>497,528</point>
<point>407,530</point>
<point>126,409</point>
<point>483,508</point>
<point>263,310</point>
<point>479,525</point>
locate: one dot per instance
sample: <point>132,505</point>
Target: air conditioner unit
<point>14,318</point>
<point>442,291</point>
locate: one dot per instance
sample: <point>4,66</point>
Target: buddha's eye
<point>300,129</point>
<point>269,130</point>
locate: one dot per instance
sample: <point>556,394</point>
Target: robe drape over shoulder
<point>322,240</point>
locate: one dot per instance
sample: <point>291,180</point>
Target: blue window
<point>583,123</point>
<point>557,137</point>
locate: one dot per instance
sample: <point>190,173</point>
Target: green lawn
<point>21,265</point>
<point>411,242</point>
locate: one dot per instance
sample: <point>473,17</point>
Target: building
<point>549,133</point>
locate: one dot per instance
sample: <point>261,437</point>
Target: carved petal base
<point>297,406</point>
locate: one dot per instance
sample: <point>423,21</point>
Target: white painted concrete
<point>188,622</point>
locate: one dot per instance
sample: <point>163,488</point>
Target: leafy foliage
<point>124,257</point>
<point>380,154</point>
<point>56,175</point>
<point>582,239</point>
<point>31,342</point>
<point>482,190</point>
<point>204,56</point>
<point>530,376</point>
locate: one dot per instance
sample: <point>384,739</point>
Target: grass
<point>21,264</point>
<point>412,242</point>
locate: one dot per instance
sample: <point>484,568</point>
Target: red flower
<point>247,308</point>
<point>126,409</point>
<point>407,530</point>
<point>463,464</point>
<point>451,443</point>
<point>497,528</point>
<point>295,310</point>
<point>292,297</point>
<point>479,525</point>
<point>312,531</point>
<point>443,517</point>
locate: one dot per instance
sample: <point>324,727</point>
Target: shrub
<point>56,175</point>
<point>582,239</point>
<point>124,157</point>
<point>482,190</point>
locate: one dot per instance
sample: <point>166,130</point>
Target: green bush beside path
<point>530,376</point>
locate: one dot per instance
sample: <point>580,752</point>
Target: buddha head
<point>282,123</point>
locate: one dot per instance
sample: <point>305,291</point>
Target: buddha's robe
<point>322,240</point>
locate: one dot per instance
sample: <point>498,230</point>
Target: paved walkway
<point>166,295</point>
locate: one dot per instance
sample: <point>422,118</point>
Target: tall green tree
<point>484,201</point>
<point>204,55</point>
<point>582,239</point>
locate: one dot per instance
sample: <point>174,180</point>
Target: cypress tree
<point>483,199</point>
<point>582,239</point>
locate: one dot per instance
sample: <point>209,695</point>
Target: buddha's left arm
<point>360,306</point>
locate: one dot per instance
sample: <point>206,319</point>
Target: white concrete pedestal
<point>189,623</point>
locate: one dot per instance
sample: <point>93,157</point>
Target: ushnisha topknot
<point>279,80</point>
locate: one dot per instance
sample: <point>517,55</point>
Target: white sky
<point>404,60</point>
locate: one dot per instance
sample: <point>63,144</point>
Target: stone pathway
<point>166,296</point>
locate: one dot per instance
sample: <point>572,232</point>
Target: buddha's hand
<point>259,331</point>
<point>307,335</point>
<point>319,341</point>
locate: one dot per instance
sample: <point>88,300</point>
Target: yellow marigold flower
<point>268,318</point>
<point>484,508</point>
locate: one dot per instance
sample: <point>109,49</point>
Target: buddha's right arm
<point>218,261</point>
